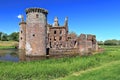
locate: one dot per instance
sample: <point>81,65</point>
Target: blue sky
<point>99,17</point>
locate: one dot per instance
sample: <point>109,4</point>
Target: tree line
<point>109,42</point>
<point>11,37</point>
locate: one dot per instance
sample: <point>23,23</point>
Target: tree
<point>100,42</point>
<point>4,37</point>
<point>111,42</point>
<point>0,35</point>
<point>14,36</point>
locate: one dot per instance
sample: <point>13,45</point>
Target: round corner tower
<point>22,35</point>
<point>36,31</point>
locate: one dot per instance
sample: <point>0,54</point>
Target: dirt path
<point>89,70</point>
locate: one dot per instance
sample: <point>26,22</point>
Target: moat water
<point>9,55</point>
<point>15,55</point>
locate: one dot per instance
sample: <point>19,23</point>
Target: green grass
<point>109,71</point>
<point>8,44</point>
<point>64,68</point>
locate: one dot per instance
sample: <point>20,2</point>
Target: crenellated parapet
<point>40,10</point>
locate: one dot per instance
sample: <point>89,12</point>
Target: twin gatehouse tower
<point>36,35</point>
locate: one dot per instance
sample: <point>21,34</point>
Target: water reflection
<point>16,55</point>
<point>23,57</point>
<point>9,55</point>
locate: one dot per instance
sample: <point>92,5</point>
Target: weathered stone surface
<point>87,44</point>
<point>57,35</point>
<point>36,35</point>
<point>33,33</point>
<point>22,35</point>
<point>36,32</point>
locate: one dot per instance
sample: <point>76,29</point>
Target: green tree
<point>100,42</point>
<point>4,37</point>
<point>0,35</point>
<point>111,42</point>
<point>14,36</point>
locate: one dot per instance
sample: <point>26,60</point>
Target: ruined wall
<point>36,31</point>
<point>82,45</point>
<point>69,51</point>
<point>57,37</point>
<point>22,35</point>
<point>36,35</point>
<point>87,44</point>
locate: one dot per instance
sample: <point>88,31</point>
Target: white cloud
<point>19,16</point>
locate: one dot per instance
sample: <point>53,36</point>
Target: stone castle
<point>38,38</point>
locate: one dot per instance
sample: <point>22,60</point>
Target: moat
<point>9,55</point>
<point>15,55</point>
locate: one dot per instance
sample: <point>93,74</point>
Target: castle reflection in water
<point>15,55</point>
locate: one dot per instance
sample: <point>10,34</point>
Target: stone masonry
<point>57,35</point>
<point>35,32</point>
<point>22,35</point>
<point>36,36</point>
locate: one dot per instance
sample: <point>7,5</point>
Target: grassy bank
<point>109,71</point>
<point>64,68</point>
<point>8,44</point>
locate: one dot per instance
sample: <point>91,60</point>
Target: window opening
<point>33,35</point>
<point>54,32</point>
<point>37,16</point>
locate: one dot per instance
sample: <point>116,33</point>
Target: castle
<point>36,36</point>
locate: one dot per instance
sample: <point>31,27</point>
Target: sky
<point>98,17</point>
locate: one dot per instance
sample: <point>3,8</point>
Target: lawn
<point>101,66</point>
<point>8,44</point>
<point>108,71</point>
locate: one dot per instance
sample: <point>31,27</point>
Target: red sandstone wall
<point>22,35</point>
<point>36,34</point>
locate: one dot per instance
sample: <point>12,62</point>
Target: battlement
<point>40,10</point>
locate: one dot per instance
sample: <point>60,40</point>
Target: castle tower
<point>66,26</point>
<point>55,24</point>
<point>36,31</point>
<point>22,34</point>
<point>66,23</point>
